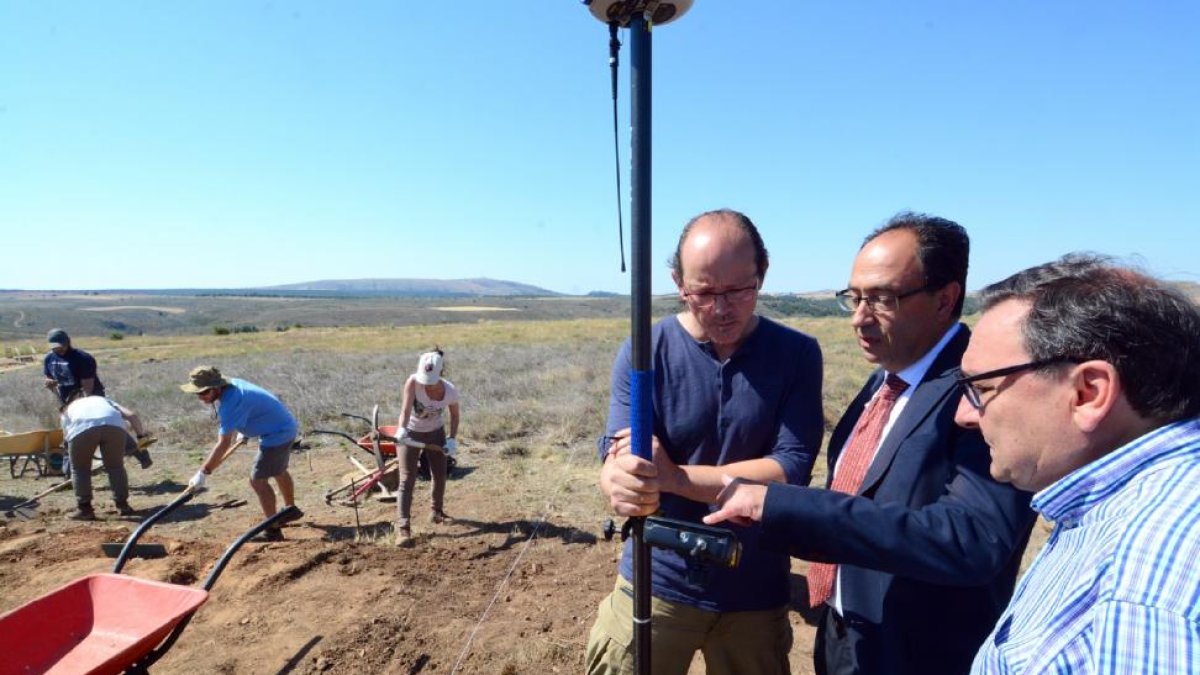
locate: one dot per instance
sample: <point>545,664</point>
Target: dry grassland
<point>534,398</point>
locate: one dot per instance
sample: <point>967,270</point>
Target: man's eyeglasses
<point>975,397</point>
<point>849,300</point>
<point>734,296</point>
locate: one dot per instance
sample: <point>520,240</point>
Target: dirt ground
<point>506,588</point>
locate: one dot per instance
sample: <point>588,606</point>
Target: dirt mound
<point>500,589</point>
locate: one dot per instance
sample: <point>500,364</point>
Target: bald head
<point>716,234</point>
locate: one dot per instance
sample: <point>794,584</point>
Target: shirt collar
<point>1073,495</point>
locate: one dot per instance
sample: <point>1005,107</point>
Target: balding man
<point>734,393</point>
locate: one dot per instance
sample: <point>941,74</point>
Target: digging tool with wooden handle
<point>241,440</point>
<point>27,508</point>
<point>197,482</point>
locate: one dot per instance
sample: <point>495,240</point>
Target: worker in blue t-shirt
<point>248,409</point>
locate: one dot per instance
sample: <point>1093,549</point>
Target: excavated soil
<point>509,587</point>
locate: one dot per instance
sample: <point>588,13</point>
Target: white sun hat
<point>429,368</point>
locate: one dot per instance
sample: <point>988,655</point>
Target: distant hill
<point>415,287</point>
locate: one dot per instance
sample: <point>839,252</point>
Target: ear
<point>1097,389</point>
<point>678,285</point>
<point>947,298</point>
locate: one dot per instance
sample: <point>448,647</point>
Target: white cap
<point>429,368</point>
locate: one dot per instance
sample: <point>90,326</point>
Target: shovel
<point>28,508</point>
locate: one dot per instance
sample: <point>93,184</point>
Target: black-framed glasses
<point>734,296</point>
<point>975,397</point>
<point>849,299</point>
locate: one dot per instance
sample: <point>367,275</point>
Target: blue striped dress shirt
<point>1116,589</point>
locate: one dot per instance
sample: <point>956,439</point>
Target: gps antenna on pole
<point>639,16</point>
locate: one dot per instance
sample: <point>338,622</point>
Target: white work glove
<point>401,435</point>
<point>197,481</point>
<point>451,447</point>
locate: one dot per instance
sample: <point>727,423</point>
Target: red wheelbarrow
<point>382,446</point>
<point>108,623</point>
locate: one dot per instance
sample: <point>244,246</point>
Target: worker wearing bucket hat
<point>246,408</point>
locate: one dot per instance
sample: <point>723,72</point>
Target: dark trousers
<point>833,653</point>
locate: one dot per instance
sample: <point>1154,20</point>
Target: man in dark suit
<point>915,547</point>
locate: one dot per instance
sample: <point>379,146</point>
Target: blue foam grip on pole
<point>642,413</point>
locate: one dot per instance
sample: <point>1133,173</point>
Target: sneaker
<point>83,512</point>
<point>404,537</point>
<point>291,516</point>
<point>439,517</point>
<point>125,509</point>
<point>272,534</point>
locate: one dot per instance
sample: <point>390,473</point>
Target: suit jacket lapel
<point>939,383</point>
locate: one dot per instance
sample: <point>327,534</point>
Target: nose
<point>861,316</point>
<point>721,303</point>
<point>966,416</point>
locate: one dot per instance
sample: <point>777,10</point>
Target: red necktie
<point>852,468</point>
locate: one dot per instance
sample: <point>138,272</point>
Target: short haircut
<point>743,222</point>
<point>943,248</point>
<point>1084,306</point>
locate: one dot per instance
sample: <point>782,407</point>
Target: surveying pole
<point>639,16</point>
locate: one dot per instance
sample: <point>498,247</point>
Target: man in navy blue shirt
<point>67,369</point>
<point>734,393</point>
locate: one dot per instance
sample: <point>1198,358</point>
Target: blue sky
<point>234,143</point>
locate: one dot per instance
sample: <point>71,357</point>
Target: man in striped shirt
<point>1084,378</point>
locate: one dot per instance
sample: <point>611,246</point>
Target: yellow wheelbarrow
<point>43,449</point>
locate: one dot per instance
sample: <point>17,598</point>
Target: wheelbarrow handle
<point>182,499</point>
<point>154,655</point>
<point>224,560</point>
<point>331,432</point>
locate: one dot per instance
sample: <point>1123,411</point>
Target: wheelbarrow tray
<point>100,624</point>
<point>31,442</point>
<point>386,448</point>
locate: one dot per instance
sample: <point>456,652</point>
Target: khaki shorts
<point>270,462</point>
<point>733,643</point>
